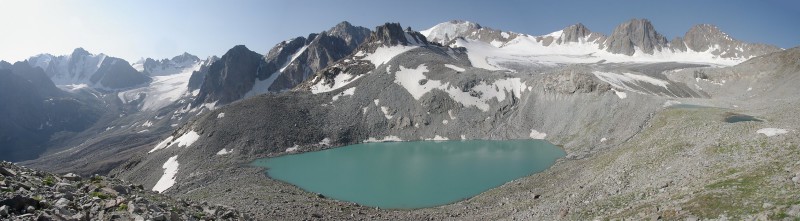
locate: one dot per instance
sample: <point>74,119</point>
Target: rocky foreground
<point>27,194</point>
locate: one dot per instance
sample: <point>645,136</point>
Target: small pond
<point>406,175</point>
<point>735,118</point>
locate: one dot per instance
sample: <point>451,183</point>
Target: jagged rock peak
<point>5,64</point>
<point>80,52</point>
<point>352,35</point>
<point>342,26</point>
<point>239,51</point>
<point>706,37</point>
<point>700,37</point>
<point>185,57</point>
<point>574,33</point>
<point>391,34</point>
<point>635,33</point>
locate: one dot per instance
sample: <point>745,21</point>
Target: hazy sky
<point>165,28</point>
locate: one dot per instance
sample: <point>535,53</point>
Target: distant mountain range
<point>636,39</point>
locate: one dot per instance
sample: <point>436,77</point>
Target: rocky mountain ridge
<point>165,66</point>
<point>634,38</point>
<point>242,73</point>
<point>97,71</point>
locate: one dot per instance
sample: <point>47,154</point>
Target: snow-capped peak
<point>446,31</point>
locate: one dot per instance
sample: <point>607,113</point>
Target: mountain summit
<point>635,34</point>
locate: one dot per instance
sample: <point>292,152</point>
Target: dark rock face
<point>393,34</point>
<point>352,35</point>
<point>23,114</point>
<point>33,109</point>
<point>320,51</point>
<point>197,78</point>
<point>387,35</point>
<point>574,33</point>
<point>635,33</point>
<point>232,76</point>
<point>677,44</point>
<point>115,73</point>
<point>37,77</point>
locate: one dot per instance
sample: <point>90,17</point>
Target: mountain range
<point>594,95</point>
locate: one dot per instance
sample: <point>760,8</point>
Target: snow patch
<point>620,80</point>
<point>386,113</point>
<point>147,124</point>
<point>224,151</point>
<point>455,68</point>
<point>390,138</point>
<point>438,138</point>
<point>168,179</point>
<point>348,92</point>
<point>537,135</point>
<point>325,142</point>
<point>220,115</point>
<point>341,80</point>
<point>769,132</point>
<point>670,103</point>
<point>187,139</point>
<point>293,149</point>
<point>385,54</point>
<point>620,94</point>
<point>161,145</point>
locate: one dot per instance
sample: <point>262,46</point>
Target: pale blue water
<point>403,175</point>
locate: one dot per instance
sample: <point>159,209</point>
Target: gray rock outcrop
<point>635,33</point>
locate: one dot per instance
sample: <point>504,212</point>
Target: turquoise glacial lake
<point>407,175</point>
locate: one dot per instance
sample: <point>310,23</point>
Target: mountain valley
<point>641,118</point>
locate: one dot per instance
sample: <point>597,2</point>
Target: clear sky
<point>165,28</point>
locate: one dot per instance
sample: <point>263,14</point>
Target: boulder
<point>71,177</point>
<point>62,203</point>
<point>19,203</point>
<point>7,172</point>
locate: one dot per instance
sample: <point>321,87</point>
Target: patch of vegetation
<point>123,207</point>
<point>199,215</point>
<point>99,195</point>
<point>733,197</point>
<point>49,181</point>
